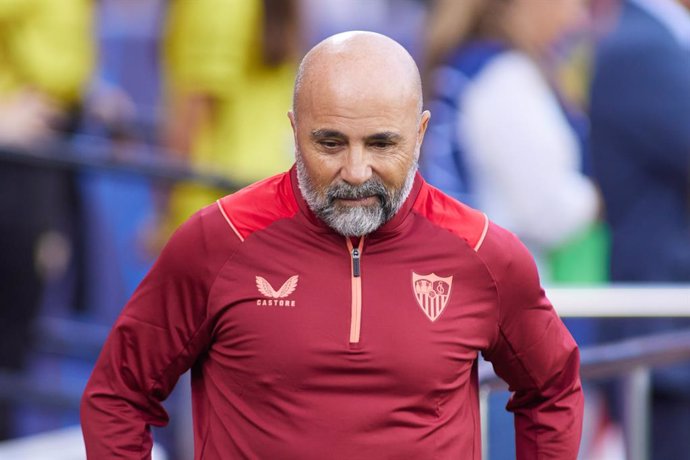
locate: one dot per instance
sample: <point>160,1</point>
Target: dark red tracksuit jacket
<point>304,347</point>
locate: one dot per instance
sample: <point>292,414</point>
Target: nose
<point>357,167</point>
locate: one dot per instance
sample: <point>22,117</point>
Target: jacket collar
<point>390,227</point>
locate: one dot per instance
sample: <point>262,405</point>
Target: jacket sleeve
<point>535,354</point>
<point>158,336</point>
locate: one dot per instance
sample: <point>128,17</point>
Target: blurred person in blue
<point>45,60</point>
<point>503,139</point>
<point>640,114</point>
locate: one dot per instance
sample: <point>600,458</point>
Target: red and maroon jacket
<point>304,345</point>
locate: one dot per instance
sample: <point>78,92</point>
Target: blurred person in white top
<point>522,153</point>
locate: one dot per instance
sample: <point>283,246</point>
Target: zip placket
<point>355,263</point>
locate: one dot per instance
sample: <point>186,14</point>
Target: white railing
<point>64,444</point>
<point>630,360</point>
<point>621,300</point>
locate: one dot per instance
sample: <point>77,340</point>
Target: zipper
<point>356,281</point>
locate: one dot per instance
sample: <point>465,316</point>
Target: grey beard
<point>353,220</point>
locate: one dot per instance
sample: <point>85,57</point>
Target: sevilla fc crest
<point>432,293</point>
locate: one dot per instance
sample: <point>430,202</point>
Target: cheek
<point>320,171</point>
<point>395,171</point>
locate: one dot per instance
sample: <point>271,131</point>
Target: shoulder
<point>446,212</point>
<point>506,258</point>
<point>510,263</point>
<point>638,36</point>
<point>259,205</point>
<point>195,251</point>
<point>202,245</point>
<point>640,62</point>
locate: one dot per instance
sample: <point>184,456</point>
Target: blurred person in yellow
<point>46,56</point>
<point>229,69</point>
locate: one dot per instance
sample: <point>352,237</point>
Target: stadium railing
<point>630,360</point>
<point>93,153</point>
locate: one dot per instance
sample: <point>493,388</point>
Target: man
<point>640,108</point>
<point>338,310</point>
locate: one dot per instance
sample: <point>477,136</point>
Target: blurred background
<point>566,121</point>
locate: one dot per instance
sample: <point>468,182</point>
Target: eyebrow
<point>388,136</point>
<point>327,133</point>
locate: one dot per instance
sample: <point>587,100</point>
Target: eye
<point>381,145</point>
<point>329,144</point>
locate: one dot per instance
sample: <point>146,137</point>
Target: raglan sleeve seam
<point>497,329</point>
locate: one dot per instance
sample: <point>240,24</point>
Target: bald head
<point>357,67</point>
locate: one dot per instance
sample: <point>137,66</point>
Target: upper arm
<point>158,336</point>
<point>532,343</point>
<point>535,354</point>
<point>166,322</point>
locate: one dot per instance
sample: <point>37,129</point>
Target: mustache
<point>372,187</point>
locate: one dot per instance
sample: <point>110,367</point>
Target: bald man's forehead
<point>369,104</point>
<point>359,66</point>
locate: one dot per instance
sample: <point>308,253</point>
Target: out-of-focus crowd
<point>566,121</point>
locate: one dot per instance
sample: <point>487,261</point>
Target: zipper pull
<point>355,262</point>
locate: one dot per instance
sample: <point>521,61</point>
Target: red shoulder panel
<point>259,205</point>
<point>458,218</point>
